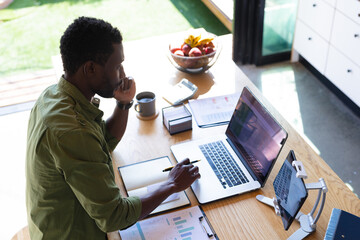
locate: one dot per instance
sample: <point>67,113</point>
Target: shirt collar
<point>82,104</point>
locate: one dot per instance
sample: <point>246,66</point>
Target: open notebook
<point>141,178</point>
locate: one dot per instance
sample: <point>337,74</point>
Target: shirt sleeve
<point>86,166</point>
<point>110,139</point>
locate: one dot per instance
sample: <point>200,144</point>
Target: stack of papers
<point>214,111</point>
<point>189,223</point>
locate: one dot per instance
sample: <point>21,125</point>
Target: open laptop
<point>239,160</point>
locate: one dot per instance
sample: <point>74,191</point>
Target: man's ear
<point>89,68</point>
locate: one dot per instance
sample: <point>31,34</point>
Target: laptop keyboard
<point>223,164</point>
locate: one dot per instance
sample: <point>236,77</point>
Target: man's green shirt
<point>70,189</point>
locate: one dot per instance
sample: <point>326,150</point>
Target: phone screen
<point>290,191</point>
<point>180,92</point>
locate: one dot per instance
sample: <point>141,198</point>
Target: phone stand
<point>307,221</point>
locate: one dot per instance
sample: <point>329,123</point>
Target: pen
<point>170,168</point>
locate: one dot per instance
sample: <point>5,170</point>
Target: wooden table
<point>238,217</point>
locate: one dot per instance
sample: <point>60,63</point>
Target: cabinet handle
<point>309,38</point>
<point>356,35</point>
<point>349,70</point>
<point>314,5</point>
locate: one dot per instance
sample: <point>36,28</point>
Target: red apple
<point>202,49</point>
<point>186,49</point>
<point>173,50</point>
<point>195,52</point>
<point>179,52</point>
<point>209,50</point>
<point>210,44</point>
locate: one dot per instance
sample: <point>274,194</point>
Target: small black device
<point>290,191</point>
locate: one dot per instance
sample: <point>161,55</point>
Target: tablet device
<point>290,191</point>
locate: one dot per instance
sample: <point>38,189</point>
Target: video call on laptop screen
<point>256,135</point>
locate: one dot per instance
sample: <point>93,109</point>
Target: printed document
<point>190,223</point>
<point>214,111</point>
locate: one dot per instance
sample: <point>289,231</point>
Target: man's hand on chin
<point>126,90</point>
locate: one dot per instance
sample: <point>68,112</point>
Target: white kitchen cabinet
<point>337,54</point>
<point>344,73</point>
<point>331,2</point>
<point>350,8</point>
<point>346,36</point>
<point>317,14</point>
<point>311,46</point>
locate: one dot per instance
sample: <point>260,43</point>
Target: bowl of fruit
<point>195,54</point>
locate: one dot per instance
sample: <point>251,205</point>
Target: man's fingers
<point>126,83</point>
<point>184,161</point>
<point>194,171</point>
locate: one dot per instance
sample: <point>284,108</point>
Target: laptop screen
<point>256,135</point>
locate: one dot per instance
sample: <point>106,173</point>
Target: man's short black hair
<point>87,39</point>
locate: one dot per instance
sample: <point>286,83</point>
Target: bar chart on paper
<point>180,225</point>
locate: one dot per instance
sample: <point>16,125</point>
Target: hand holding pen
<point>170,168</point>
<point>182,175</point>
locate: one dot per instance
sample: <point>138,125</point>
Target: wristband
<point>124,106</point>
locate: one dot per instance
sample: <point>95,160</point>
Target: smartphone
<point>290,191</point>
<point>180,92</point>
